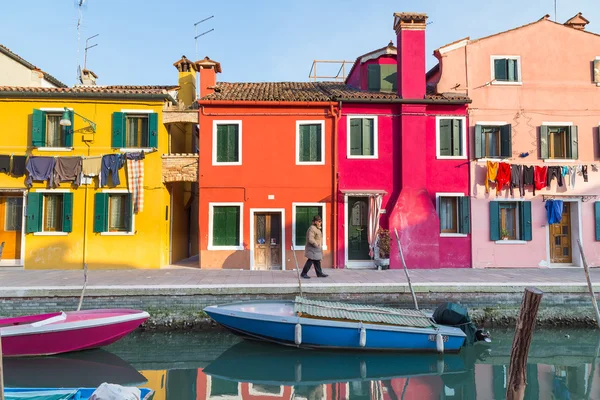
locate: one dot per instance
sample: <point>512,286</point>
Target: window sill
<point>302,248</point>
<point>511,242</point>
<point>225,164</point>
<point>301,163</point>
<point>507,83</point>
<point>137,149</point>
<point>560,160</point>
<point>229,248</point>
<point>50,233</point>
<point>493,159</point>
<point>451,157</point>
<point>117,233</point>
<point>456,235</point>
<point>363,157</point>
<point>54,149</point>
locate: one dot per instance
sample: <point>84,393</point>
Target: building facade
<point>532,122</point>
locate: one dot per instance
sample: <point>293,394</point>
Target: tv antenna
<point>80,4</point>
<point>196,36</point>
<point>88,47</point>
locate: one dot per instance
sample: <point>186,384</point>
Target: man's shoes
<point>305,276</point>
<point>322,276</point>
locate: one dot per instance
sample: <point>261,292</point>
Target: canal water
<point>217,365</point>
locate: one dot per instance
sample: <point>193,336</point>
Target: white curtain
<point>374,209</point>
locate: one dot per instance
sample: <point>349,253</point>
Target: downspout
<point>336,117</point>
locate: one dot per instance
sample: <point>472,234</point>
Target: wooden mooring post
<point>517,372</point>
<point>589,282</point>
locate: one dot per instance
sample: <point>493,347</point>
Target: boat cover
<point>362,312</point>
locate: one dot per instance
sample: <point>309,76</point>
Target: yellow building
<point>64,227</point>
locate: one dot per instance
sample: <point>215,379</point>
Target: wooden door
<point>357,230</point>
<point>267,241</point>
<point>560,238</point>
<point>11,213</point>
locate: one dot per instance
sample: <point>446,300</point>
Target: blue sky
<point>255,40</point>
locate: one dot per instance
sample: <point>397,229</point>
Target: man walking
<point>313,250</point>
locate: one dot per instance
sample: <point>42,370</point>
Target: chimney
<point>410,37</point>
<point>186,81</point>
<point>208,75</point>
<point>577,22</point>
<point>88,78</point>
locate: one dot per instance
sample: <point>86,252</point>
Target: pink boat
<point>62,332</point>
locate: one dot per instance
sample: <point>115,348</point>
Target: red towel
<point>503,177</point>
<point>539,176</point>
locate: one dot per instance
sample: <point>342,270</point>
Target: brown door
<point>11,213</point>
<point>267,241</point>
<point>560,238</point>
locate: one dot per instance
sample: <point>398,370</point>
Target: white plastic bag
<point>109,391</point>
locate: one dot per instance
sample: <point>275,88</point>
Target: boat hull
<point>248,321</point>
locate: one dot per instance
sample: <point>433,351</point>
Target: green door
<point>358,217</point>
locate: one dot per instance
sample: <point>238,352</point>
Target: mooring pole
<point>412,292</point>
<point>589,282</point>
<point>517,372</point>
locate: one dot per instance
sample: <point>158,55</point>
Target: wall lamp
<point>66,119</point>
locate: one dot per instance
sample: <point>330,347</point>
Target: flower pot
<point>504,238</point>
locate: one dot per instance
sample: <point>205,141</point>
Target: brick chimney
<point>186,81</point>
<point>410,37</point>
<point>208,75</point>
<point>577,22</point>
<point>88,78</point>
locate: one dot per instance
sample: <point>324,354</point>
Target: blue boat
<point>308,323</point>
<point>59,394</point>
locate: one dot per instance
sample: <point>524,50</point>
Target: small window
<point>310,143</point>
<point>510,220</point>
<point>382,77</point>
<point>454,213</point>
<point>13,213</point>
<point>303,216</point>
<point>227,143</point>
<point>113,213</point>
<point>226,221</point>
<point>493,141</point>
<point>558,142</point>
<point>49,212</point>
<point>47,130</point>
<point>135,130</point>
<point>506,69</point>
<point>451,138</point>
<point>363,138</point>
<point>53,213</point>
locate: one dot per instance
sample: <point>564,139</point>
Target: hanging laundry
<point>503,176</point>
<point>572,175</point>
<point>540,174</point>
<point>135,156</point>
<point>584,172</point>
<point>5,163</point>
<point>492,171</point>
<point>111,164</point>
<point>516,178</point>
<point>91,166</point>
<point>554,172</point>
<point>564,171</point>
<point>18,165</point>
<point>554,210</point>
<point>40,169</point>
<point>135,183</point>
<point>67,169</point>
<point>528,178</point>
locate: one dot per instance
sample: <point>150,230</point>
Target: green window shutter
<point>310,143</point>
<point>129,212</point>
<point>572,142</point>
<point>526,221</point>
<point>233,143</point>
<point>34,212</point>
<point>494,220</point>
<point>303,145</point>
<point>506,140</point>
<point>368,137</point>
<point>356,137</point>
<point>544,142</point>
<point>67,222</point>
<point>513,74</point>
<point>153,130</point>
<point>38,131</point>
<point>68,130</point>
<point>219,226</point>
<point>456,137</point>
<point>464,212</point>
<point>388,77</point>
<point>226,226</point>
<point>100,212</point>
<point>374,78</point>
<point>597,214</point>
<point>315,143</point>
<point>500,73</point>
<point>222,143</point>
<point>118,131</point>
<point>445,137</point>
<point>302,217</point>
<point>479,141</point>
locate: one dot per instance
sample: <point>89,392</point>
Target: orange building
<point>266,168</point>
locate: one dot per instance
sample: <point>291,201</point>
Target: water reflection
<point>218,366</point>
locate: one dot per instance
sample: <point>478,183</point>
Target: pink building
<point>402,159</point>
<point>534,116</point>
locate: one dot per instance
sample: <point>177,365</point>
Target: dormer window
<point>382,77</point>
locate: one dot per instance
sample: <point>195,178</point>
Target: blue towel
<point>554,209</point>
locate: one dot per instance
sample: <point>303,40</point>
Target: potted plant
<point>504,233</point>
<point>382,250</point>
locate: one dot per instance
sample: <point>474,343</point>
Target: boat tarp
<point>42,394</point>
<point>362,312</point>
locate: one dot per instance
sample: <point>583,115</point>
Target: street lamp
<point>66,119</point>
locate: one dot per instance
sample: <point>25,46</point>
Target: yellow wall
<point>148,247</point>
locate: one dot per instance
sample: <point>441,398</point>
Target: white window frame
<point>52,111</point>
<point>216,123</point>
<point>559,160</point>
<point>493,72</point>
<point>48,192</point>
<point>375,136</point>
<point>211,207</point>
<point>323,152</point>
<point>132,232</point>
<point>324,225</point>
<point>137,149</point>
<point>490,123</point>
<point>437,207</point>
<point>463,135</point>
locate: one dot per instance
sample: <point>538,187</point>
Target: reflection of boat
<point>62,332</point>
<point>81,369</point>
<point>59,394</point>
<point>268,364</point>
<point>322,324</point>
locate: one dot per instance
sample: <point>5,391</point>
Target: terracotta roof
<point>153,92</point>
<point>6,51</point>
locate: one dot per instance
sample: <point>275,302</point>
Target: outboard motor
<point>453,314</point>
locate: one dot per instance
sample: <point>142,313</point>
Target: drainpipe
<point>336,117</point>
